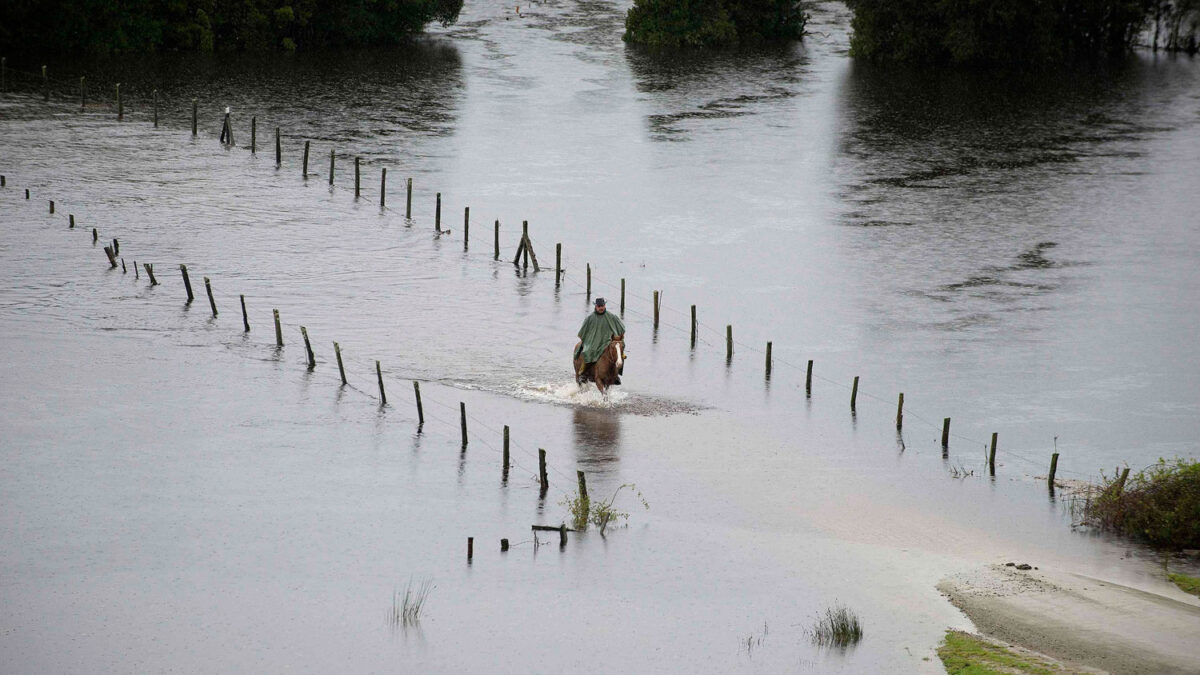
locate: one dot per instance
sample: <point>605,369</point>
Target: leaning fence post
<point>278,329</point>
<point>808,380</point>
<point>312,361</point>
<point>854,394</point>
<point>212,303</point>
<point>382,395</point>
<point>187,283</point>
<point>1053,470</point>
<point>900,413</point>
<point>245,317</point>
<point>420,408</point>
<point>583,495</point>
<point>304,168</point>
<point>337,349</point>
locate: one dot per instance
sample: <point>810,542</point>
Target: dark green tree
<point>708,23</point>
<point>995,31</point>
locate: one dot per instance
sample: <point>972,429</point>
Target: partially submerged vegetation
<point>966,654</point>
<point>712,23</point>
<point>1159,505</point>
<point>838,627</point>
<point>600,513</point>
<point>1026,32</point>
<point>104,26</point>
<point>407,608</point>
<point>1185,583</point>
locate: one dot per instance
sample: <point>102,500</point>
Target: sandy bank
<point>1081,620</point>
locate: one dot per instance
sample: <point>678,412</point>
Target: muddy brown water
<point>1016,252</point>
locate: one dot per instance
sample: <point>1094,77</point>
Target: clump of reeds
<point>1159,505</point>
<point>406,608</point>
<point>838,627</point>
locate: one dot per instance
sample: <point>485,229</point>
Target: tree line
<point>123,26</point>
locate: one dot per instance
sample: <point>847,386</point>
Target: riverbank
<point>1081,620</point>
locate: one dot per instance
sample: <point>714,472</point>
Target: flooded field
<point>1015,252</point>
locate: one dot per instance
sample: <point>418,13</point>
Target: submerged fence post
<point>768,360</point>
<point>254,135</point>
<point>729,342</point>
<point>382,394</point>
<point>245,316</point>
<point>589,284</point>
<point>945,433</point>
<point>496,255</point>
<point>278,150</point>
<point>408,199</point>
<point>304,168</point>
<point>112,260</point>
<point>558,266</point>
<point>278,329</point>
<point>462,412</point>
<point>331,155</point>
<point>545,482</point>
<point>1053,470</point>
<point>466,225</point>
<point>854,394</point>
<point>992,455</point>
<point>195,113</point>
<point>693,326</point>
<point>312,361</point>
<point>622,296</point>
<point>470,548</point>
<point>337,349</point>
<point>116,245</point>
<point>808,380</point>
<point>900,413</point>
<point>51,206</point>
<point>437,214</point>
<point>187,283</point>
<point>95,232</point>
<point>655,310</point>
<point>212,303</point>
<point>383,188</point>
<point>583,495</point>
<point>71,220</point>
<point>357,175</point>
<point>149,267</point>
<point>420,408</point>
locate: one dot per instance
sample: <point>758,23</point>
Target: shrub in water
<point>1159,505</point>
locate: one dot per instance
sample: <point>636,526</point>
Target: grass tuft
<point>839,627</point>
<point>406,609</point>
<point>600,513</point>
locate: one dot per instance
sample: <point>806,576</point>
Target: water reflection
<point>684,87</point>
<point>597,436</point>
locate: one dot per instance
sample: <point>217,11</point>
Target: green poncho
<point>597,331</point>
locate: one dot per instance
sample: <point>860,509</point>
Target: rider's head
<point>599,305</point>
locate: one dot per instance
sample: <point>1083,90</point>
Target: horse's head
<point>618,347</point>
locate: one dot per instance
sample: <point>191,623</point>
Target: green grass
<point>966,654</point>
<point>1188,584</point>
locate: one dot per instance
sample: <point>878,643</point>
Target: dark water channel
<point>1017,252</point>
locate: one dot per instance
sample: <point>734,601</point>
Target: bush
<point>710,23</point>
<point>1159,505</point>
<point>994,31</point>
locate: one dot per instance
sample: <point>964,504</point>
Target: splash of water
<point>568,393</point>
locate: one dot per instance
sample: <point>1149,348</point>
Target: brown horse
<point>607,369</point>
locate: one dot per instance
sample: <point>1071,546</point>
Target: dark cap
<point>599,302</point>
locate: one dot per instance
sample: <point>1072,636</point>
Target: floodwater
<point>1016,252</point>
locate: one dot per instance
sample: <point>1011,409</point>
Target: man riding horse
<point>599,332</point>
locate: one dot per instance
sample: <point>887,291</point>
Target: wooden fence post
<point>854,394</point>
<point>187,283</point>
<point>212,303</point>
<point>768,360</point>
<point>693,326</point>
<point>357,176</point>
<point>1053,470</point>
<point>462,411</point>
<point>337,349</point>
<point>420,408</point>
<point>312,361</point>
<point>383,188</point>
<point>545,482</point>
<point>729,342</point>
<point>437,214</point>
<point>945,433</point>
<point>466,225</point>
<point>254,135</point>
<point>304,168</point>
<point>278,149</point>
<point>382,395</point>
<point>992,455</point>
<point>656,310</point>
<point>496,255</point>
<point>900,412</point>
<point>408,199</point>
<point>278,329</point>
<point>506,449</point>
<point>245,317</point>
